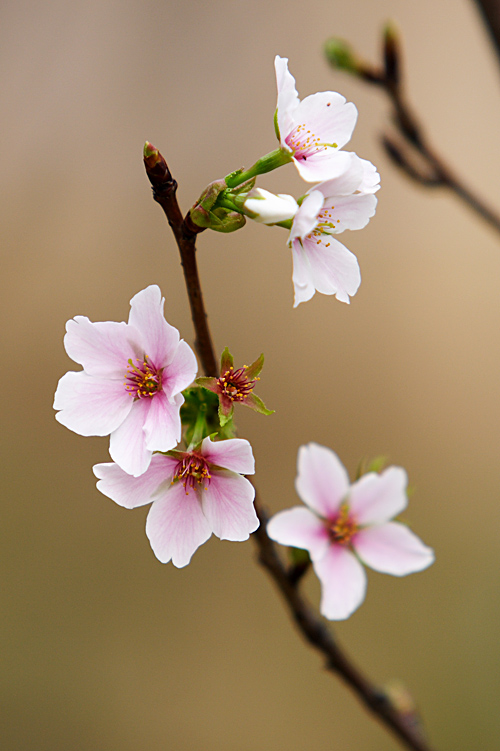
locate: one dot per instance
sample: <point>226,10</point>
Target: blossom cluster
<point>131,388</point>
<point>311,134</point>
<point>172,435</point>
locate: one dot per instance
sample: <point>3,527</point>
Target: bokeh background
<point>103,647</point>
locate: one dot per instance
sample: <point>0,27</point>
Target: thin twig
<point>312,628</point>
<point>490,10</point>
<point>413,146</point>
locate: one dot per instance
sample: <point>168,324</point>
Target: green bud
<point>340,55</point>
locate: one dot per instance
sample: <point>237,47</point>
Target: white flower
<point>193,494</point>
<point>346,525</point>
<point>268,208</point>
<point>131,383</point>
<point>313,130</point>
<point>321,263</point>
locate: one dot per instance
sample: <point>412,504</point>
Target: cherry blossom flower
<point>268,208</point>
<point>321,263</point>
<point>313,130</point>
<point>193,494</point>
<point>346,525</point>
<point>235,386</point>
<point>131,382</point>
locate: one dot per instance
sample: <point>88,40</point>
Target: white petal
<point>181,371</point>
<point>288,99</point>
<point>334,269</point>
<point>159,339</point>
<point>301,277</point>
<point>377,498</point>
<point>176,526</point>
<point>131,492</point>
<point>343,583</point>
<point>324,165</point>
<point>299,527</point>
<point>306,217</point>
<point>346,183</point>
<point>371,178</point>
<point>329,117</point>
<point>127,445</point>
<point>350,212</point>
<point>392,549</point>
<point>103,349</point>
<point>90,405</point>
<point>228,506</point>
<point>322,481</point>
<point>162,426</point>
<point>234,453</point>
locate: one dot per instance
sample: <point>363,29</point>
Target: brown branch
<point>490,11</point>
<point>312,627</point>
<point>164,193</point>
<point>413,153</point>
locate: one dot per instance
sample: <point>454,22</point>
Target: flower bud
<point>267,208</point>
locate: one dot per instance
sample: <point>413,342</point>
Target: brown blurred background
<point>105,648</point>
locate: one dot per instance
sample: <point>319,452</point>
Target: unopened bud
<point>268,208</point>
<point>340,55</point>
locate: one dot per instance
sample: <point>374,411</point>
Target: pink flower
<point>131,382</point>
<point>193,493</point>
<point>346,524</point>
<point>313,130</point>
<point>321,263</point>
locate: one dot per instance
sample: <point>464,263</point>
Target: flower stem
<point>267,163</point>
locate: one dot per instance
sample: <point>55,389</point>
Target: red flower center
<point>235,385</point>
<point>142,379</point>
<point>344,527</point>
<point>192,470</point>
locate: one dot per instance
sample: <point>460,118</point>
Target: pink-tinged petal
<point>306,217</point>
<point>159,339</point>
<point>228,506</point>
<point>375,499</point>
<point>181,371</point>
<point>322,481</point>
<point>350,212</point>
<point>334,269</point>
<point>176,526</point>
<point>392,549</point>
<point>288,99</point>
<point>343,583</point>
<point>234,453</point>
<point>302,281</point>
<point>127,445</point>
<point>162,426</point>
<point>329,117</point>
<point>131,492</point>
<point>371,178</point>
<point>323,165</point>
<point>346,183</point>
<point>89,405</point>
<point>299,528</point>
<point>103,349</point>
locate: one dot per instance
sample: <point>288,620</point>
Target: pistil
<point>142,379</point>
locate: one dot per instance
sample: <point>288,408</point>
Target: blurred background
<point>103,647</point>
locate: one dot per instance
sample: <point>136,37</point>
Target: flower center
<point>344,527</point>
<point>142,378</point>
<point>304,143</point>
<point>235,385</point>
<point>192,470</point>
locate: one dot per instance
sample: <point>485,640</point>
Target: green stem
<point>267,163</point>
<point>200,427</point>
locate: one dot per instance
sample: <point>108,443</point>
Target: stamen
<point>192,470</point>
<point>143,379</point>
<point>235,385</point>
<point>344,527</point>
